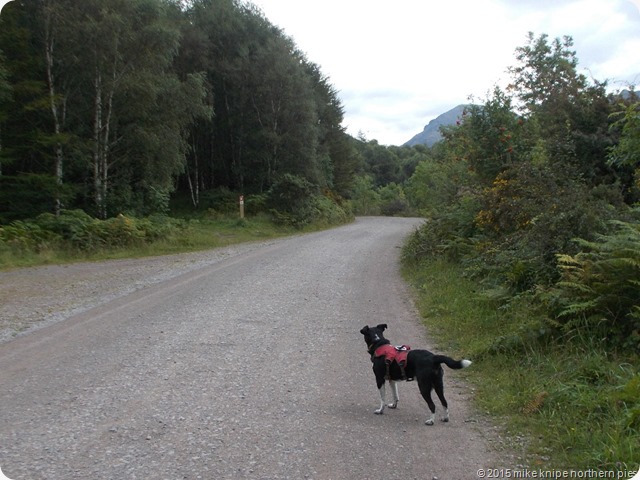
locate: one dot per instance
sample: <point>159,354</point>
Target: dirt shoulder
<point>35,297</point>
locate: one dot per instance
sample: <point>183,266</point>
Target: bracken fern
<point>601,284</point>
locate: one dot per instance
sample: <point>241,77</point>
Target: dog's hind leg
<point>425,391</point>
<point>394,391</point>
<point>439,388</point>
<point>382,391</point>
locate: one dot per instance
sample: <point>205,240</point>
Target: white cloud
<point>399,65</point>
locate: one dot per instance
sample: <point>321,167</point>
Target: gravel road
<point>239,363</point>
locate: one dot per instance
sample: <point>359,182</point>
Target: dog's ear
<point>364,330</point>
<point>382,326</point>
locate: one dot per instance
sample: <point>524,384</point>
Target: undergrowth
<point>575,399</point>
<point>75,236</point>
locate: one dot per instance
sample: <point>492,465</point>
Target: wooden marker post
<point>241,206</point>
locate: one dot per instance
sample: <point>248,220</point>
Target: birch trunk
<point>195,191</point>
<point>99,174</point>
<point>53,104</point>
<point>103,112</point>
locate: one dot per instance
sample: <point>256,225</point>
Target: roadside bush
<point>435,185</point>
<point>74,226</point>
<point>448,233</point>
<point>291,201</point>
<point>220,200</point>
<point>295,202</point>
<point>393,201</point>
<point>120,231</point>
<point>529,215</point>
<point>255,203</point>
<point>159,226</point>
<point>328,212</point>
<point>83,232</point>
<point>365,197</point>
<point>600,286</point>
<point>21,236</point>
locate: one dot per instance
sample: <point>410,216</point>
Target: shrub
<point>120,231</point>
<point>328,212</point>
<point>529,215</point>
<point>294,202</point>
<point>73,226</point>
<point>393,201</point>
<point>23,236</point>
<point>448,233</point>
<point>435,185</point>
<point>89,234</point>
<point>220,200</point>
<point>600,286</point>
<point>291,201</point>
<point>365,197</point>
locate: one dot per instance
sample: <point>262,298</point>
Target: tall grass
<point>576,401</point>
<point>21,248</point>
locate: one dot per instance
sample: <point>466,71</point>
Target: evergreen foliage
<point>127,104</point>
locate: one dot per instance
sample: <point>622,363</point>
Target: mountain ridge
<point>431,132</point>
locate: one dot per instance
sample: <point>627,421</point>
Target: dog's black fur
<point>422,365</point>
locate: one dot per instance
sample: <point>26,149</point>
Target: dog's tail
<point>450,362</point>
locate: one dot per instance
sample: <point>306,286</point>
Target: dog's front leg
<point>394,391</point>
<point>382,391</point>
<point>445,415</point>
<point>431,419</point>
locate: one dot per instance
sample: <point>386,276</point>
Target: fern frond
<point>578,308</point>
<point>535,404</point>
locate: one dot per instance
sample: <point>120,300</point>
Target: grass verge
<point>188,236</point>
<point>576,402</point>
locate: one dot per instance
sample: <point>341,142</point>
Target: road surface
<point>250,366</point>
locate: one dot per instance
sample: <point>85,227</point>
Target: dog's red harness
<point>393,354</point>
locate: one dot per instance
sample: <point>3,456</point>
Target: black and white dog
<point>421,365</point>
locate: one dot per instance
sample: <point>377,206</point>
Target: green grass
<point>575,401</point>
<point>196,234</point>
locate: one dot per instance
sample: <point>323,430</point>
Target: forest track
<point>244,362</point>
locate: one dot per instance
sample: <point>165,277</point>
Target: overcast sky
<point>398,65</point>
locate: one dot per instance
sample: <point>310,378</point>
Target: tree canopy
<point>118,105</point>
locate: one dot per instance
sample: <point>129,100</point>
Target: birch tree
<point>138,106</point>
<point>5,95</point>
<point>56,95</point>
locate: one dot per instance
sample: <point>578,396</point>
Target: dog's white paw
<point>445,416</point>
<point>380,411</point>
<point>431,419</point>
<point>393,405</point>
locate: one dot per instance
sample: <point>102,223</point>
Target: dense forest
<point>116,106</point>
<point>135,107</point>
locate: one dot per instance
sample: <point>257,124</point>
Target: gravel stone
<point>239,363</point>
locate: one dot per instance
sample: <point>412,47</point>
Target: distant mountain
<point>431,132</point>
<point>628,94</point>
